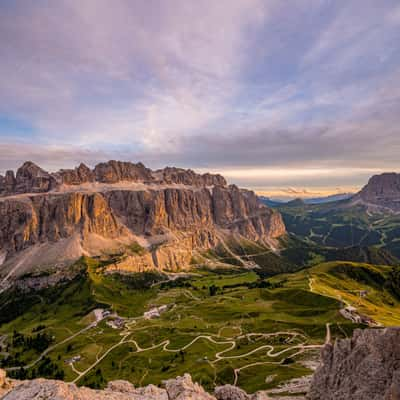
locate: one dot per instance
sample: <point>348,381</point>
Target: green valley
<point>339,224</point>
<point>220,325</point>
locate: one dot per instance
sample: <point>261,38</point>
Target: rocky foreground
<point>181,388</point>
<point>365,367</point>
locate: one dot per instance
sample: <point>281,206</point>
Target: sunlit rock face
<point>37,219</point>
<point>172,212</point>
<point>241,211</point>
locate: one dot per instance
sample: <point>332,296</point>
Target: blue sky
<point>280,96</point>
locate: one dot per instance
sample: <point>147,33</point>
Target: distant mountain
<point>382,191</point>
<point>329,199</point>
<point>271,203</point>
<point>315,200</point>
<point>296,203</point>
<point>369,218</point>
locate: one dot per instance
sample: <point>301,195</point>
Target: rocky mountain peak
<point>30,178</point>
<point>89,211</point>
<point>189,177</point>
<point>30,170</point>
<point>382,190</point>
<point>115,171</point>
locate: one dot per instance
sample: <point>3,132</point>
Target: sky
<point>290,98</point>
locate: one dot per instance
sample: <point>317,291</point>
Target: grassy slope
<point>345,280</point>
<point>233,311</point>
<point>334,225</point>
<point>237,308</point>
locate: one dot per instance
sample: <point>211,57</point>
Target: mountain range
<point>315,200</point>
<point>122,272</point>
<point>51,219</point>
<point>368,218</point>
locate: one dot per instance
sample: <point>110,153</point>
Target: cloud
<point>105,74</point>
<point>249,86</point>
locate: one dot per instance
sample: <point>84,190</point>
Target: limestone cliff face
<point>364,367</point>
<point>155,212</point>
<point>49,218</point>
<point>241,211</point>
<point>177,221</point>
<point>172,220</point>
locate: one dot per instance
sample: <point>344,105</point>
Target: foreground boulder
<point>364,367</point>
<point>181,388</point>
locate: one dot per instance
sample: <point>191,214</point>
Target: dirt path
<point>51,348</point>
<point>81,374</point>
<point>328,338</point>
<point>228,343</point>
<point>219,355</point>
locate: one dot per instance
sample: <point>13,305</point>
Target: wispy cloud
<point>244,85</point>
<point>102,73</point>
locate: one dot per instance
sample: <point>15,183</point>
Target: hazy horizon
<point>283,99</point>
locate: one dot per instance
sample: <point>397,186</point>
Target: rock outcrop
<point>189,177</point>
<point>187,212</point>
<point>382,191</point>
<point>30,178</point>
<point>49,218</point>
<point>77,176</point>
<point>364,367</point>
<point>181,388</point>
<point>5,384</point>
<point>241,211</point>
<point>116,171</point>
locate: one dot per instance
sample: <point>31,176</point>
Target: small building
<point>116,323</point>
<point>73,359</point>
<point>155,312</point>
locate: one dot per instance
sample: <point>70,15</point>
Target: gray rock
<point>229,392</point>
<point>364,367</point>
<point>382,191</point>
<point>181,388</point>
